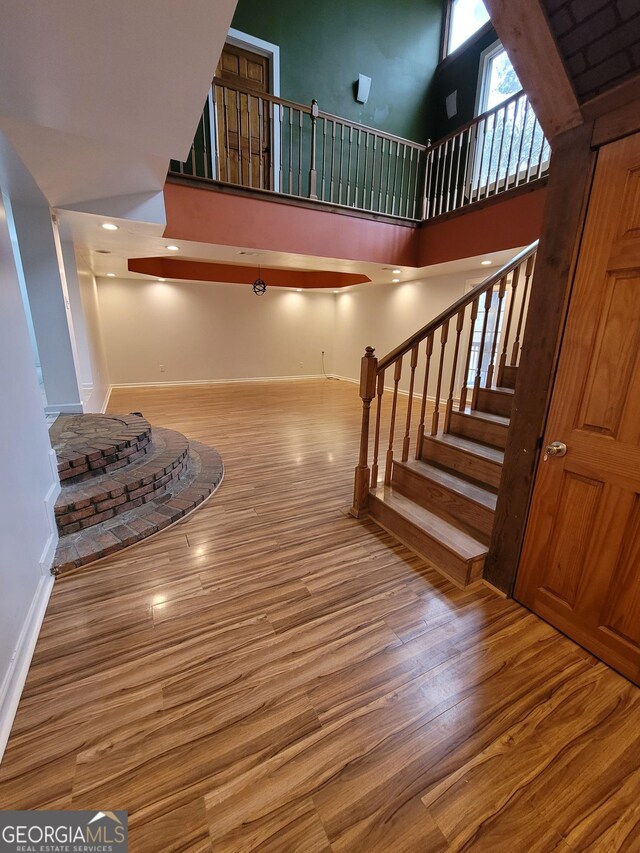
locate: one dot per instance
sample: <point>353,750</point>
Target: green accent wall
<point>325,45</point>
<point>459,71</point>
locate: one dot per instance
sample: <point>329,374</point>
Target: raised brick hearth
<point>122,482</point>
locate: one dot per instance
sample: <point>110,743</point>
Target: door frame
<point>272,52</point>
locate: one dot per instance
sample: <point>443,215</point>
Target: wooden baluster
<point>333,158</point>
<point>395,178</point>
<point>437,157</point>
<point>281,120</point>
<point>413,365</point>
<point>215,144</point>
<point>388,183</point>
<point>324,157</point>
<point>425,389</point>
<point>426,201</point>
<point>401,191</point>
<point>507,330</point>
<point>300,136</point>
<point>290,187</point>
<point>525,118</point>
<point>380,175</point>
<point>250,153</point>
<point>348,200</point>
<point>396,380</point>
<point>530,152</point>
<point>503,112</point>
<point>368,369</point>
<point>435,420</point>
<point>356,186</point>
<point>261,142</point>
<point>364,169</point>
<point>412,195</point>
<point>528,270</point>
<point>443,184</point>
<point>452,154</point>
<point>476,385</point>
<point>456,188</point>
<point>454,368</point>
<point>376,440</point>
<point>542,141</point>
<point>516,106</point>
<point>467,364</point>
<point>501,292</point>
<point>225,97</point>
<point>373,171</point>
<point>239,128</point>
<point>341,160</point>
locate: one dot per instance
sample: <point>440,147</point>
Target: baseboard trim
<point>218,381</point>
<point>416,394</point>
<point>64,409</point>
<point>16,676</point>
<point>105,402</point>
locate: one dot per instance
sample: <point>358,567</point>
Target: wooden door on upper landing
<point>243,118</point>
<point>580,567</point>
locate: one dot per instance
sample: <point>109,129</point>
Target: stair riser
<point>120,500</point>
<point>509,376</point>
<point>460,571</point>
<point>477,429</point>
<point>495,402</point>
<point>478,469</point>
<point>450,505</point>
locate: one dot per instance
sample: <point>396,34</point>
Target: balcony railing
<point>262,142</point>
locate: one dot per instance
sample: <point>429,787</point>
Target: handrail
<point>274,99</point>
<point>476,120</point>
<point>472,347</point>
<point>457,306</point>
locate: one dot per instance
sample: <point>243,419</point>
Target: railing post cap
<point>369,351</point>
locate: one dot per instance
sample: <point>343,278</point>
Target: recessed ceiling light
<point>396,272</point>
<point>336,291</point>
<point>173,248</point>
<point>162,279</point>
<point>395,280</point>
<point>299,289</point>
<point>111,274</point>
<point>109,226</point>
<point>486,263</point>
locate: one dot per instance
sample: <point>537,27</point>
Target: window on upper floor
<point>464,18</point>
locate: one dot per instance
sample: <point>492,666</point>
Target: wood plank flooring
<point>273,675</point>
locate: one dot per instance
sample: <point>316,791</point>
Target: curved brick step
<point>199,479</point>
<point>89,502</point>
<point>89,445</point>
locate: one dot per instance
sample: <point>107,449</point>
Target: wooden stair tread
<point>485,416</point>
<point>454,539</point>
<point>474,448</point>
<point>453,481</point>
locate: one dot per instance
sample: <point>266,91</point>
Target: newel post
<point>368,368</point>
<point>313,174</point>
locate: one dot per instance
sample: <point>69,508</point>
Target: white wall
<point>28,487</point>
<point>383,316</point>
<point>203,332</point>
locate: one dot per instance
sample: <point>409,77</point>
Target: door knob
<point>556,448</point>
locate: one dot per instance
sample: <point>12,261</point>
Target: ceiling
<point>97,97</point>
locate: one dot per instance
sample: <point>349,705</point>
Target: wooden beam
<point>524,31</point>
<point>570,179</point>
<point>622,121</point>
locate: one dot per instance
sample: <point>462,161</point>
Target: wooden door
<point>244,126</point>
<point>580,567</point>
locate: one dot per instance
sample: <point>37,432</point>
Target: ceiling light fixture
<point>486,263</point>
<point>395,280</point>
<point>396,272</point>
<point>162,279</point>
<point>109,226</point>
<point>111,274</point>
<point>298,290</point>
<point>259,286</point>
<point>173,248</point>
<point>336,291</point>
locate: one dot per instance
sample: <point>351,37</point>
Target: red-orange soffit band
<point>178,268</point>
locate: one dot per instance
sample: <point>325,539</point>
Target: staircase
<point>122,481</point>
<point>439,495</point>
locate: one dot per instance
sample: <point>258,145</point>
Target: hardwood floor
<point>273,675</point>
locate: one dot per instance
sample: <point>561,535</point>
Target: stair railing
<point>498,150</point>
<point>469,346</point>
<point>264,142</point>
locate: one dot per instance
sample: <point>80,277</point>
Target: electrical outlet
<point>301,364</point>
<point>162,368</point>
